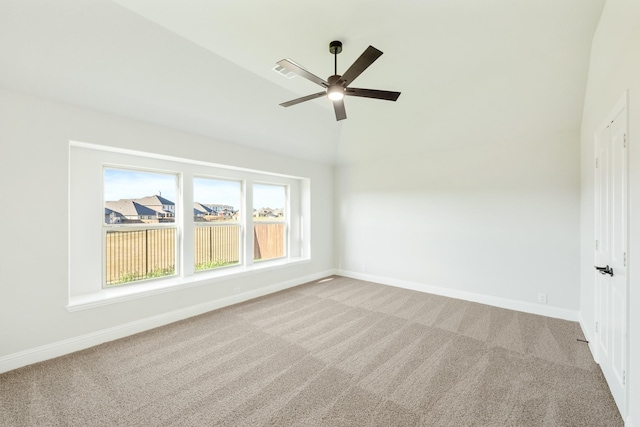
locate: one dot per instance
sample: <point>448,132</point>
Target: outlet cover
<point>542,298</point>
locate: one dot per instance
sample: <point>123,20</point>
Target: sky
<point>217,192</point>
<point>128,184</point>
<point>268,196</point>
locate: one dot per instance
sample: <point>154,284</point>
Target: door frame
<point>620,106</point>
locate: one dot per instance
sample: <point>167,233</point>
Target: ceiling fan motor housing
<point>333,79</point>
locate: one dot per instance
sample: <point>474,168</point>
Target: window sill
<point>154,287</point>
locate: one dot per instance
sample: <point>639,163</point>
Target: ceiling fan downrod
<point>335,47</point>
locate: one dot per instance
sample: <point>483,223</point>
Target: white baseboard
<point>60,348</point>
<point>589,337</point>
<point>543,310</point>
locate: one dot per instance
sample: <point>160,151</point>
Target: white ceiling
<point>470,72</point>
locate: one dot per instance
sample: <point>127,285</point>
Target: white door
<point>611,254</point>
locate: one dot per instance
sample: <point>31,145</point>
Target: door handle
<point>605,270</point>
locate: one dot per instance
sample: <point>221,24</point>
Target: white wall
<point>34,141</point>
<point>615,67</point>
<point>499,221</point>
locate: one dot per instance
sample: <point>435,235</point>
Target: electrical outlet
<point>236,291</point>
<point>542,298</point>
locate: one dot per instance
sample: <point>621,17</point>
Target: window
<point>269,221</point>
<point>139,229</point>
<point>216,214</point>
<point>141,223</point>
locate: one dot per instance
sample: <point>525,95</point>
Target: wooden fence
<point>140,254</point>
<point>268,241</point>
<point>217,245</point>
<point>133,255</point>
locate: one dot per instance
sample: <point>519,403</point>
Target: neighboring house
<point>131,211</point>
<point>267,213</point>
<point>112,217</point>
<point>227,213</point>
<point>217,208</point>
<point>205,212</point>
<point>201,211</point>
<point>166,208</point>
<point>159,209</point>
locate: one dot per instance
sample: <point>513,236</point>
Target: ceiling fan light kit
<point>335,93</point>
<point>336,87</point>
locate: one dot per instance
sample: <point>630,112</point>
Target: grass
<point>216,263</point>
<point>133,276</point>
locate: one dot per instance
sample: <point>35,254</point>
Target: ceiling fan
<point>337,86</point>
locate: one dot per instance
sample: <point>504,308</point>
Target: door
<point>611,254</point>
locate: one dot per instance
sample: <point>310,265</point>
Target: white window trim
<point>241,222</point>
<point>86,202</point>
<point>131,227</point>
<point>286,222</point>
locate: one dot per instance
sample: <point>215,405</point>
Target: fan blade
<point>304,98</point>
<point>362,63</point>
<point>302,72</point>
<point>372,93</point>
<point>341,113</point>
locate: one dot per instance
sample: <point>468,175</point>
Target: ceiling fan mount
<point>336,87</point>
<point>335,47</point>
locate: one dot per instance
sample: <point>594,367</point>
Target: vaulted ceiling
<point>470,72</point>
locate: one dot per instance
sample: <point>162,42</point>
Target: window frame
<point>145,226</point>
<point>86,237</point>
<point>240,222</point>
<point>285,221</point>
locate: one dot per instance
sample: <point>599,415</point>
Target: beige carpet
<point>341,352</point>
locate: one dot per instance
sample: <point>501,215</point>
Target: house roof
<point>128,208</point>
<point>154,200</point>
<point>200,209</point>
<point>471,73</point>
